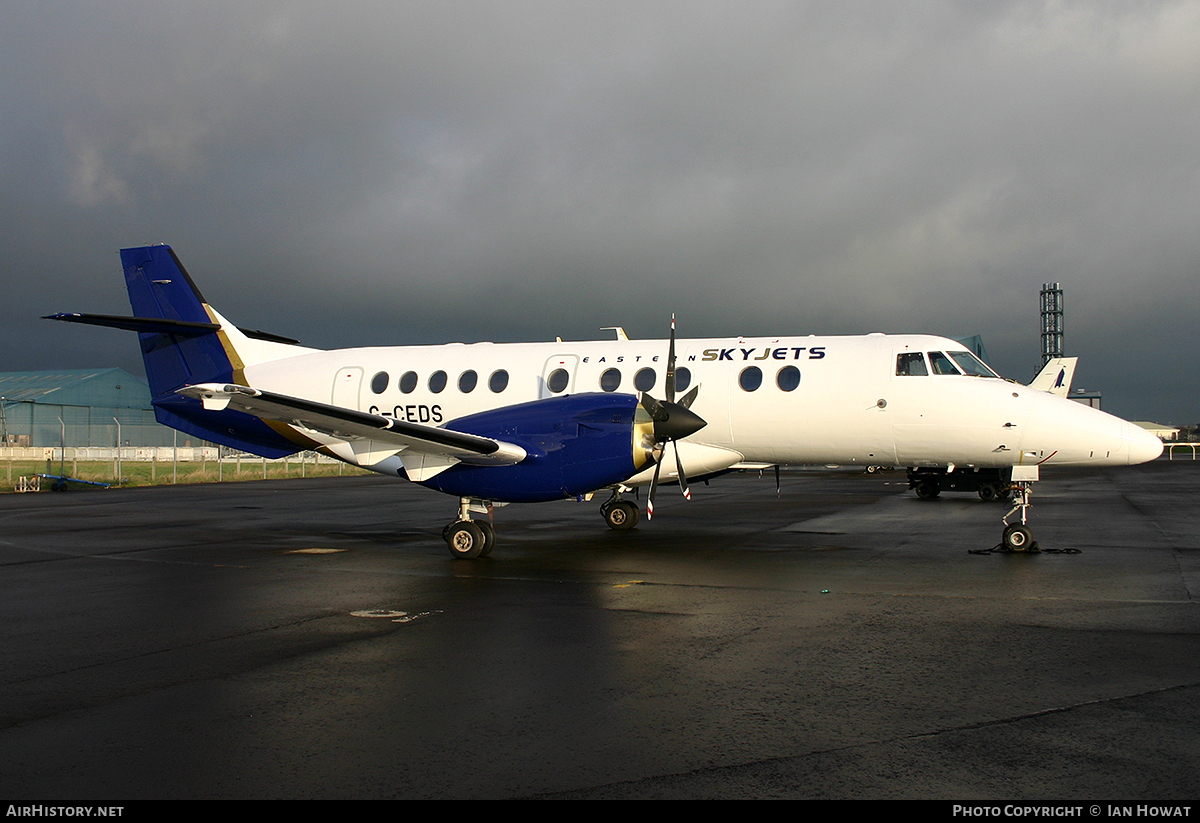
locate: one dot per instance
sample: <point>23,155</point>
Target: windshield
<point>941,363</point>
<point>972,365</point>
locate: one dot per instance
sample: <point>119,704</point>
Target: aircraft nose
<point>1143,446</point>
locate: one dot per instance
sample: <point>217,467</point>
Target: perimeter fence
<point>33,469</point>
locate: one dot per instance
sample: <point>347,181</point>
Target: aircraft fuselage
<point>786,400</point>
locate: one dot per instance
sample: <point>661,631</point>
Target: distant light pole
<point>118,460</point>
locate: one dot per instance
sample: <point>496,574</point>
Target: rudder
<point>160,287</point>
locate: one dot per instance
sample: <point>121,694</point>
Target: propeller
<point>672,422</point>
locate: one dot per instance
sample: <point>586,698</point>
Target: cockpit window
<point>911,364</point>
<point>942,364</point>
<point>972,365</point>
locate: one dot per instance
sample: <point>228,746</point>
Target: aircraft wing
<point>351,425</point>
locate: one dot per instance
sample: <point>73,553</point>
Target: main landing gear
<point>468,539</point>
<point>620,514</point>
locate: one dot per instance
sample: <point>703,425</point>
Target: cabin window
<point>437,381</point>
<point>379,382</point>
<point>911,364</point>
<point>683,378</point>
<point>610,380</point>
<point>644,380</point>
<point>942,364</point>
<point>750,378</point>
<point>557,381</point>
<point>408,382</point>
<point>467,381</point>
<point>788,378</point>
<point>498,382</point>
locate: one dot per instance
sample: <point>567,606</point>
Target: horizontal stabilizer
<point>258,334</point>
<point>149,325</point>
<point>155,325</point>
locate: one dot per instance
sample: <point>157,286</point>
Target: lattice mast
<point>1052,322</point>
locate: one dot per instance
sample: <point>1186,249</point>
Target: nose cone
<point>1064,432</point>
<point>673,422</point>
<point>1143,446</point>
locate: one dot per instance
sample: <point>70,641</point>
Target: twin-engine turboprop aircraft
<point>525,422</point>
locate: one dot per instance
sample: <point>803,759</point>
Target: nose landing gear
<point>1018,537</point>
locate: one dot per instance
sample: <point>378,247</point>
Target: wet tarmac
<point>313,639</point>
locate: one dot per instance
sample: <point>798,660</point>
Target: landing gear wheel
<point>465,540</point>
<point>489,537</point>
<point>621,515</point>
<point>927,490</point>
<point>1017,538</point>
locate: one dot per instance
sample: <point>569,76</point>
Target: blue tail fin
<point>184,351</point>
<point>159,287</point>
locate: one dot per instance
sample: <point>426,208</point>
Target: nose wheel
<point>1017,538</point>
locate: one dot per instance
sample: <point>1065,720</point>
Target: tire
<point>1017,538</point>
<point>621,516</point>
<point>927,490</point>
<point>489,537</point>
<point>988,493</point>
<point>465,540</point>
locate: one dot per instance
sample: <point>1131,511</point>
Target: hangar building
<point>88,401</point>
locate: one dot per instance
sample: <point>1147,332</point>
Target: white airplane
<point>523,422</point>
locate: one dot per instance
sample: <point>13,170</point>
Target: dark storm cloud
<point>417,172</point>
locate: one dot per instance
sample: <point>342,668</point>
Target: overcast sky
<point>367,173</point>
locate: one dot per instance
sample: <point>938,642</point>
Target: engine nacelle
<point>576,443</point>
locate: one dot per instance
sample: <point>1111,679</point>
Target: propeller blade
<point>683,484</point>
<point>653,488</point>
<point>689,398</point>
<point>672,422</point>
<point>670,380</point>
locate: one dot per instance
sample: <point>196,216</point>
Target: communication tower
<point>1052,322</point>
